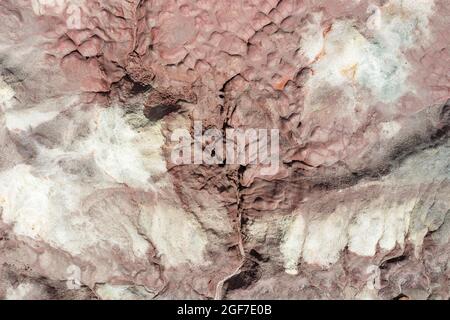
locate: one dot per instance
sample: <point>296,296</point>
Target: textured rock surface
<point>92,206</point>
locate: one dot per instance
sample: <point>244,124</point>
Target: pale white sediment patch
<point>326,238</point>
<point>50,209</point>
<point>258,229</point>
<point>312,41</point>
<point>350,58</point>
<point>389,129</point>
<point>396,225</point>
<point>292,245</point>
<point>128,156</point>
<point>122,292</point>
<point>177,236</point>
<point>49,7</point>
<point>6,95</point>
<point>362,229</point>
<point>26,201</point>
<point>365,232</point>
<point>71,9</point>
<point>22,120</point>
<point>62,198</point>
<point>374,21</point>
<point>23,291</point>
<point>347,57</point>
<point>373,284</point>
<point>409,17</point>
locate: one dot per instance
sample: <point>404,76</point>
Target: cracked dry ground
<point>93,208</point>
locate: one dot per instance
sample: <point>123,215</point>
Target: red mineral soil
<point>93,206</point>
